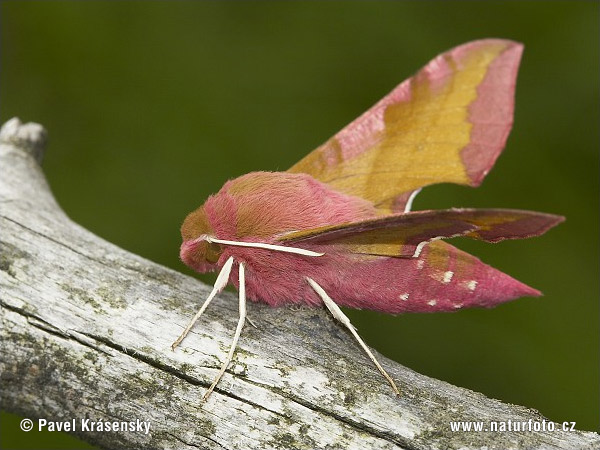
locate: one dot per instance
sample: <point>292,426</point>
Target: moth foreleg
<point>337,313</point>
<point>220,284</point>
<point>238,331</point>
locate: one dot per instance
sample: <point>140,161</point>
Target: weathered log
<point>86,330</point>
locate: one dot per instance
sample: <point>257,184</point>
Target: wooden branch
<point>86,330</point>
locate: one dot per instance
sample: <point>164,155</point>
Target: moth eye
<point>213,252</point>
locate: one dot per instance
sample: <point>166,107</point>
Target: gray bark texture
<point>86,333</point>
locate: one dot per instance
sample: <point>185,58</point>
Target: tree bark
<point>86,334</point>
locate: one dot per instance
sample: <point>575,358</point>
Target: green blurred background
<point>151,106</point>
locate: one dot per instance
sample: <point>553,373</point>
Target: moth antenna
<point>220,284</point>
<point>337,313</point>
<point>238,331</point>
<point>279,248</point>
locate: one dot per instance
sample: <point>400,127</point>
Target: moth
<point>337,229</point>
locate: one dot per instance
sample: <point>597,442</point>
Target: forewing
<point>403,235</point>
<point>448,123</point>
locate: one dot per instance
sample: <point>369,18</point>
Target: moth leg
<point>251,323</point>
<point>238,331</point>
<point>337,313</point>
<point>220,284</point>
<point>410,200</point>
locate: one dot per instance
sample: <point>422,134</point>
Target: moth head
<point>195,251</point>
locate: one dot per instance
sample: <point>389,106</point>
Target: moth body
<point>336,228</point>
<point>258,207</point>
<point>262,206</point>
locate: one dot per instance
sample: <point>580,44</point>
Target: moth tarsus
<point>339,315</point>
<point>251,322</point>
<point>238,331</point>
<point>220,283</point>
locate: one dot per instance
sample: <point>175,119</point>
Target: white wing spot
<point>448,277</point>
<point>458,306</point>
<point>420,264</point>
<point>421,245</point>
<point>404,296</point>
<point>432,302</point>
<point>419,249</point>
<point>471,285</point>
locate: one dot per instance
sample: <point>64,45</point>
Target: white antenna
<point>277,248</point>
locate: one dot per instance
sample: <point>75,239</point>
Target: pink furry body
<point>260,206</point>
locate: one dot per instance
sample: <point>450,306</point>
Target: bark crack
<point>183,441</point>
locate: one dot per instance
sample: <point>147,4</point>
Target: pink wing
<point>403,235</point>
<point>448,123</point>
<point>442,278</point>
